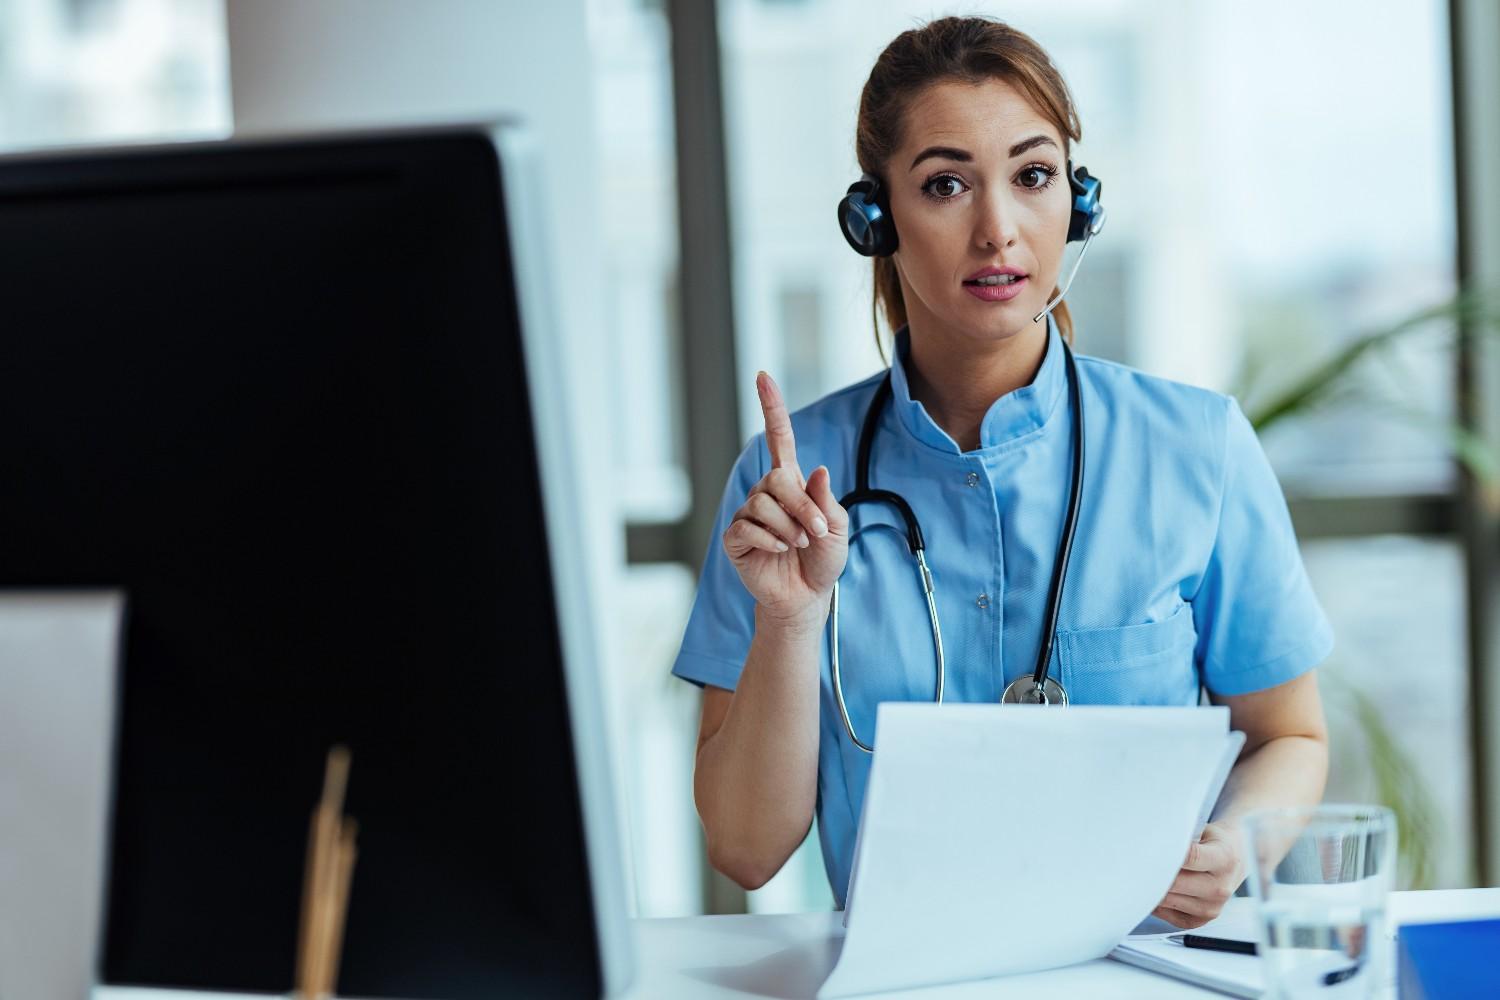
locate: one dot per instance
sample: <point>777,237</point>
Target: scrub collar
<point>1012,416</point>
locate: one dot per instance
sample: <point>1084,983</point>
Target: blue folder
<point>1449,961</point>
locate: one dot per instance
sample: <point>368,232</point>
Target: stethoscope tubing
<point>862,493</point>
<point>1070,525</point>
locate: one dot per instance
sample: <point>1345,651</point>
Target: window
<point>637,271</point>
<point>91,71</point>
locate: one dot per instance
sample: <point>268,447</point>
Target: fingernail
<point>780,545</point>
<point>820,527</point>
<point>803,541</point>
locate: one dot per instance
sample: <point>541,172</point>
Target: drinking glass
<point>1320,875</point>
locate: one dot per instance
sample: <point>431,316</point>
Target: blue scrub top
<point>1185,570</point>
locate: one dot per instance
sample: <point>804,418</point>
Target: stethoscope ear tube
<point>937,643</point>
<point>914,543</point>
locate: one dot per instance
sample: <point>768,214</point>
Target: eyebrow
<point>964,156</point>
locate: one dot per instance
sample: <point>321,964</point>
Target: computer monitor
<point>301,400</point>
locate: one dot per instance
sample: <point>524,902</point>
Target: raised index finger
<point>778,425</point>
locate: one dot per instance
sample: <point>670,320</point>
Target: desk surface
<point>787,957</point>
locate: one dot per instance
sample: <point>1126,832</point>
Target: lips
<point>995,293</point>
<point>992,270</point>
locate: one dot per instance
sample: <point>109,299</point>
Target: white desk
<point>788,957</point>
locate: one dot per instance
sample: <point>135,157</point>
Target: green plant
<point>1340,381</point>
<point>1471,313</point>
<point>1397,781</point>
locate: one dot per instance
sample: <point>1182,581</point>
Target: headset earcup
<point>1077,219</point>
<point>1086,190</point>
<point>865,219</point>
<point>1078,226</point>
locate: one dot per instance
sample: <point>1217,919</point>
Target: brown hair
<point>970,50</point>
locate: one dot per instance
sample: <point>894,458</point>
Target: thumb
<point>1210,854</point>
<point>820,488</point>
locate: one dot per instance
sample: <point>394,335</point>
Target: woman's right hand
<point>790,538</point>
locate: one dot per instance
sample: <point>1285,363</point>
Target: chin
<point>998,325</point>
<point>1004,317</point>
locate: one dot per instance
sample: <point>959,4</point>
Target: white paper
<point>1227,761</point>
<point>998,839</point>
<point>1231,754</point>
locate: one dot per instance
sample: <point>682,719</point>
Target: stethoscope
<point>865,221</point>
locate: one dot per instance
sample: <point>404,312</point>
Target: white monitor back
<point>57,689</point>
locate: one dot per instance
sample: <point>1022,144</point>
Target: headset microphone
<point>1085,222</point>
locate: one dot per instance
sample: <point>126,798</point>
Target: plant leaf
<point>1398,782</point>
<point>1474,311</point>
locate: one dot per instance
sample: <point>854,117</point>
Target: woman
<point>1185,572</point>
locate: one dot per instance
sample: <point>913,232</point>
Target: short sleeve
<point>1259,622</point>
<point>722,621</point>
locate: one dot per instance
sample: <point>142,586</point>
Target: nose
<point>998,223</point>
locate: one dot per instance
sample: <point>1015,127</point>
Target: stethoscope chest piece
<point>1024,690</point>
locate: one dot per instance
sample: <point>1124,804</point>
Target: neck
<point>957,380</point>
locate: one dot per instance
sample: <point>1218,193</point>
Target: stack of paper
<point>998,839</point>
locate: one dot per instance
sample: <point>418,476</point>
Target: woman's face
<point>979,182</point>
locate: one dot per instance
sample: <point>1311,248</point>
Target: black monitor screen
<point>276,393</point>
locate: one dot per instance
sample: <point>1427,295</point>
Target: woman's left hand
<point>1210,874</point>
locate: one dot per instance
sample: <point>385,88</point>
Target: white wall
<point>332,63</point>
<point>374,62</point>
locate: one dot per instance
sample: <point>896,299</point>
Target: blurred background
<point>1282,181</point>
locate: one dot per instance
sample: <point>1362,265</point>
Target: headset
<point>865,213</point>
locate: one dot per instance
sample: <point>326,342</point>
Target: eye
<point>1033,170</point>
<point>930,189</point>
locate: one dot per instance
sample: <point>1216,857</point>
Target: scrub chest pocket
<point>1145,664</point>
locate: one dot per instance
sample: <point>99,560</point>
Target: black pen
<point>1214,944</point>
